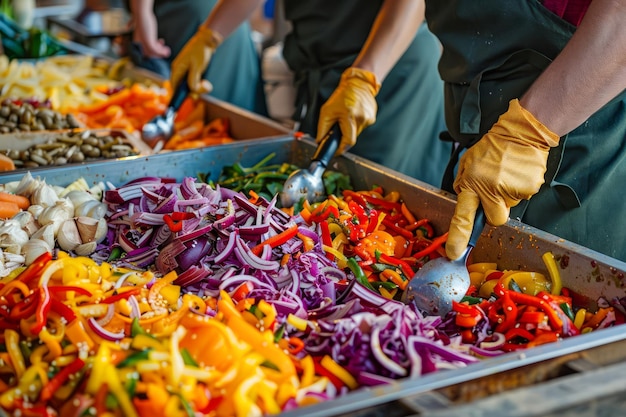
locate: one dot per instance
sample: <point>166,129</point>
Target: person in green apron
<point>161,29</point>
<point>367,62</point>
<point>541,104</point>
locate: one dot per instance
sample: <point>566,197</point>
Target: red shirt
<point>569,10</point>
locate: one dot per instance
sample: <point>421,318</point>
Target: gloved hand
<point>505,166</point>
<point>352,104</point>
<point>194,58</point>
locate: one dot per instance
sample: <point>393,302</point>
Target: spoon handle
<point>179,95</point>
<point>479,225</point>
<point>327,148</point>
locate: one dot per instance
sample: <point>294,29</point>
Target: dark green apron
<point>235,69</point>
<point>493,51</point>
<point>327,36</point>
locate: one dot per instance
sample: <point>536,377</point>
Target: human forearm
<point>392,33</point>
<point>589,72</point>
<point>227,15</point>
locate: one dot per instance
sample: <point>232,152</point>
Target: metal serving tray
<point>512,246</point>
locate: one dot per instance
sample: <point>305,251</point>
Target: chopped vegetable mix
<point>209,299</point>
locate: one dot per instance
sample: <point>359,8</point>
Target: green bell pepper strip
<point>359,274</point>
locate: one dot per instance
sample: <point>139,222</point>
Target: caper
<point>14,118</point>
<point>24,127</point>
<point>72,122</point>
<point>60,161</point>
<point>30,164</point>
<point>38,159</point>
<point>5,111</point>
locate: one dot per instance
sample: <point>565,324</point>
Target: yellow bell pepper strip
<point>12,341</point>
<point>553,270</point>
<point>249,334</point>
<point>60,378</point>
<point>339,372</point>
<point>579,318</point>
<point>277,239</point>
<point>309,244</point>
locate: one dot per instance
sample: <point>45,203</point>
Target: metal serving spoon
<point>307,183</point>
<point>440,281</point>
<point>160,129</point>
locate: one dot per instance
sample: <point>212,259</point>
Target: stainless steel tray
<point>514,245</point>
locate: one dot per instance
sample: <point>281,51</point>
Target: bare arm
<point>145,32</point>
<point>227,15</point>
<point>587,74</point>
<point>392,32</point>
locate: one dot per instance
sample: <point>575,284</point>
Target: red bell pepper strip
<point>43,308</point>
<point>118,296</point>
<point>35,269</point>
<point>553,317</point>
<point>388,205</point>
<point>547,337</point>
<point>277,239</point>
<point>372,221</point>
<point>397,229</point>
<point>65,288</point>
<point>60,378</point>
<point>392,260</point>
<point>64,311</point>
<point>25,308</point>
<point>434,245</point>
<point>510,314</point>
<point>518,332</point>
<point>354,196</point>
<point>326,239</point>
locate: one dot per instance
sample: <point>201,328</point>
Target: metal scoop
<point>308,184</point>
<point>440,281</point>
<point>160,129</point>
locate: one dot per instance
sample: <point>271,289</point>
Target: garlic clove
<point>27,222</point>
<point>87,227</point>
<point>78,197</point>
<point>57,214</point>
<point>35,210</point>
<point>86,249</point>
<point>33,249</point>
<point>28,185</point>
<point>68,236</point>
<point>44,195</point>
<point>92,208</point>
<point>45,233</point>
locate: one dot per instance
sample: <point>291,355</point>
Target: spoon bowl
<point>161,128</point>
<point>441,281</point>
<point>308,183</point>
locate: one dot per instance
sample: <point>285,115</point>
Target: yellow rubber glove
<point>194,58</point>
<point>506,165</point>
<point>352,104</point>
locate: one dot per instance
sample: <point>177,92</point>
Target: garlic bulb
<point>33,249</point>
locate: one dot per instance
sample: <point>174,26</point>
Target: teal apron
<point>493,51</point>
<point>327,36</point>
<point>235,69</point>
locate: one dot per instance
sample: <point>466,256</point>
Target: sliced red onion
<point>228,250</point>
<point>135,311</point>
<point>121,280</point>
<point>104,333</point>
<point>497,343</point>
<point>142,219</point>
<point>104,320</point>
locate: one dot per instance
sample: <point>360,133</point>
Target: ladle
<point>160,129</point>
<point>441,281</point>
<point>307,183</point>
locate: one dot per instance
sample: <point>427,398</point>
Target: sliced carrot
<point>8,209</point>
<point>6,163</point>
<point>21,201</point>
